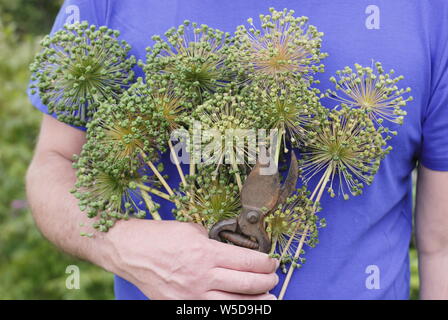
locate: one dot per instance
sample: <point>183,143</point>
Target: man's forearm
<point>432,233</point>
<point>433,275</point>
<point>50,178</point>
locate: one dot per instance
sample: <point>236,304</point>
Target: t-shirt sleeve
<point>434,149</point>
<point>92,11</point>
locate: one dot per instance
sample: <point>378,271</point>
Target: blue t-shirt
<point>367,236</point>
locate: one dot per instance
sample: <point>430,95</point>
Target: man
<point>363,253</point>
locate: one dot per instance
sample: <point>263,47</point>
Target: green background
<point>30,267</point>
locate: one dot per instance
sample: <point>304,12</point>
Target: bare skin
<point>432,233</point>
<point>164,259</point>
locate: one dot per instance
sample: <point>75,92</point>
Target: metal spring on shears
<point>238,239</point>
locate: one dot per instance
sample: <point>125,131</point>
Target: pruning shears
<point>261,193</point>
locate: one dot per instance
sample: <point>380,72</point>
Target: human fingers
<point>242,282</point>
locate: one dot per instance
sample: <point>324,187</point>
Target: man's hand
<point>165,259</point>
<point>432,233</point>
<point>177,260</point>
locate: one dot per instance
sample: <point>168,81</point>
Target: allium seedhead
<point>107,191</point>
<point>290,220</point>
<point>78,67</point>
<point>209,198</point>
<point>231,121</point>
<point>111,170</point>
<point>373,90</point>
<point>347,147</point>
<point>285,48</point>
<point>171,105</point>
<point>122,132</point>
<point>194,57</point>
<point>290,109</point>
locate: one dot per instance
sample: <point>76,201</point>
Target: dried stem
<point>151,206</point>
<point>274,244</point>
<point>291,268</point>
<point>192,172</point>
<point>176,162</point>
<point>159,176</point>
<point>237,173</point>
<point>155,191</point>
<point>281,132</point>
<point>321,187</point>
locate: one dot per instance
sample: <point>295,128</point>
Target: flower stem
<point>151,206</point>
<point>176,162</point>
<point>321,186</point>
<point>237,173</point>
<point>192,172</point>
<point>291,268</point>
<point>274,245</point>
<point>155,191</point>
<point>278,146</point>
<point>159,176</point>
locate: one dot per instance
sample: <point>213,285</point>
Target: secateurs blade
<point>261,193</point>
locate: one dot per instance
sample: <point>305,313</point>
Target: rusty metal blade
<point>260,191</point>
<point>291,179</point>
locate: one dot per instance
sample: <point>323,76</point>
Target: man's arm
<point>165,259</point>
<point>49,179</point>
<point>432,233</point>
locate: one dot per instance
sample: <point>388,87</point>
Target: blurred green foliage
<point>415,284</point>
<point>30,267</point>
<point>29,16</point>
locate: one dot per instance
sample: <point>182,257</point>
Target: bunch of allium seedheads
<point>259,78</point>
